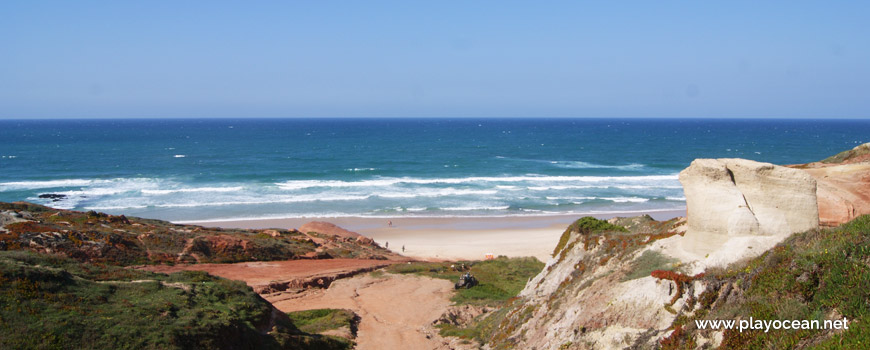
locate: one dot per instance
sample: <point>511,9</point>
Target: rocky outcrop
<point>597,292</point>
<point>99,237</point>
<point>330,229</point>
<point>843,192</point>
<point>616,289</point>
<point>859,154</point>
<point>749,223</point>
<point>843,185</point>
<point>327,229</point>
<point>743,197</point>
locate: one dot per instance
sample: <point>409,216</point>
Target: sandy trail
<point>396,311</point>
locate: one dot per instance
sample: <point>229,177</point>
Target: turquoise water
<point>212,169</point>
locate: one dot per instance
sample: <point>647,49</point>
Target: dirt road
<point>261,274</point>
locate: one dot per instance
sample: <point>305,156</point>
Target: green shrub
<point>585,225</point>
<point>53,302</point>
<point>320,320</point>
<point>648,262</point>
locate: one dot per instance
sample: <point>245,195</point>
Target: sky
<point>193,59</point>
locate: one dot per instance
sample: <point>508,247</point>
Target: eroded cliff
<point>751,247</point>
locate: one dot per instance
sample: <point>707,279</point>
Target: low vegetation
<point>50,302</point>
<point>847,155</point>
<point>500,279</point>
<point>648,262</point>
<point>321,320</point>
<point>586,225</point>
<point>815,275</point>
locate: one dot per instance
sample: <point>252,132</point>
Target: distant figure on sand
<point>390,223</point>
<point>403,248</point>
<point>387,245</point>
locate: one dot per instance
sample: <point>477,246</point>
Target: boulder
<point>364,240</point>
<point>273,233</point>
<point>328,229</point>
<point>736,197</point>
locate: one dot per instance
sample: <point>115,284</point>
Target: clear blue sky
<point>804,59</point>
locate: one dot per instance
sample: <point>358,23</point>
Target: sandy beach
<point>452,238</point>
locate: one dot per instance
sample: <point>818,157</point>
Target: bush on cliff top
<point>848,154</point>
<point>586,225</point>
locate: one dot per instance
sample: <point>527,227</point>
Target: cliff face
<point>742,197</point>
<point>597,292</point>
<point>843,185</point>
<point>611,289</point>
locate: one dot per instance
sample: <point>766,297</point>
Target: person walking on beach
<point>390,223</point>
<point>387,245</point>
<point>403,248</point>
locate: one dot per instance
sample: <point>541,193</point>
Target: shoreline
<point>452,238</point>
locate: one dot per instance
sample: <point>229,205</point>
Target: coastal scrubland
<point>819,274</point>
<point>53,302</point>
<point>119,240</point>
<point>814,275</point>
<point>66,278</point>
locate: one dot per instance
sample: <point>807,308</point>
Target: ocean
<point>226,169</point>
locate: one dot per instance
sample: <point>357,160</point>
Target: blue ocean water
<point>212,169</point>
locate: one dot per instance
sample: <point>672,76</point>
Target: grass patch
<point>321,320</point>
<point>500,279</point>
<point>648,262</point>
<point>480,329</point>
<point>848,154</point>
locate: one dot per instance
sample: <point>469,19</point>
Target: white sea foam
<point>475,208</point>
<point>626,199</point>
<point>382,182</point>
<point>570,198</point>
<point>576,164</point>
<point>585,165</point>
<point>360,169</point>
<point>588,198</point>
<point>197,204</point>
<point>28,185</point>
<point>407,196</point>
<point>179,156</point>
<point>194,189</point>
<point>439,192</point>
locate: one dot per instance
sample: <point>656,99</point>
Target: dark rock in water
<point>55,197</point>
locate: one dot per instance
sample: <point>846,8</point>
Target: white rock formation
<point>737,197</point>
